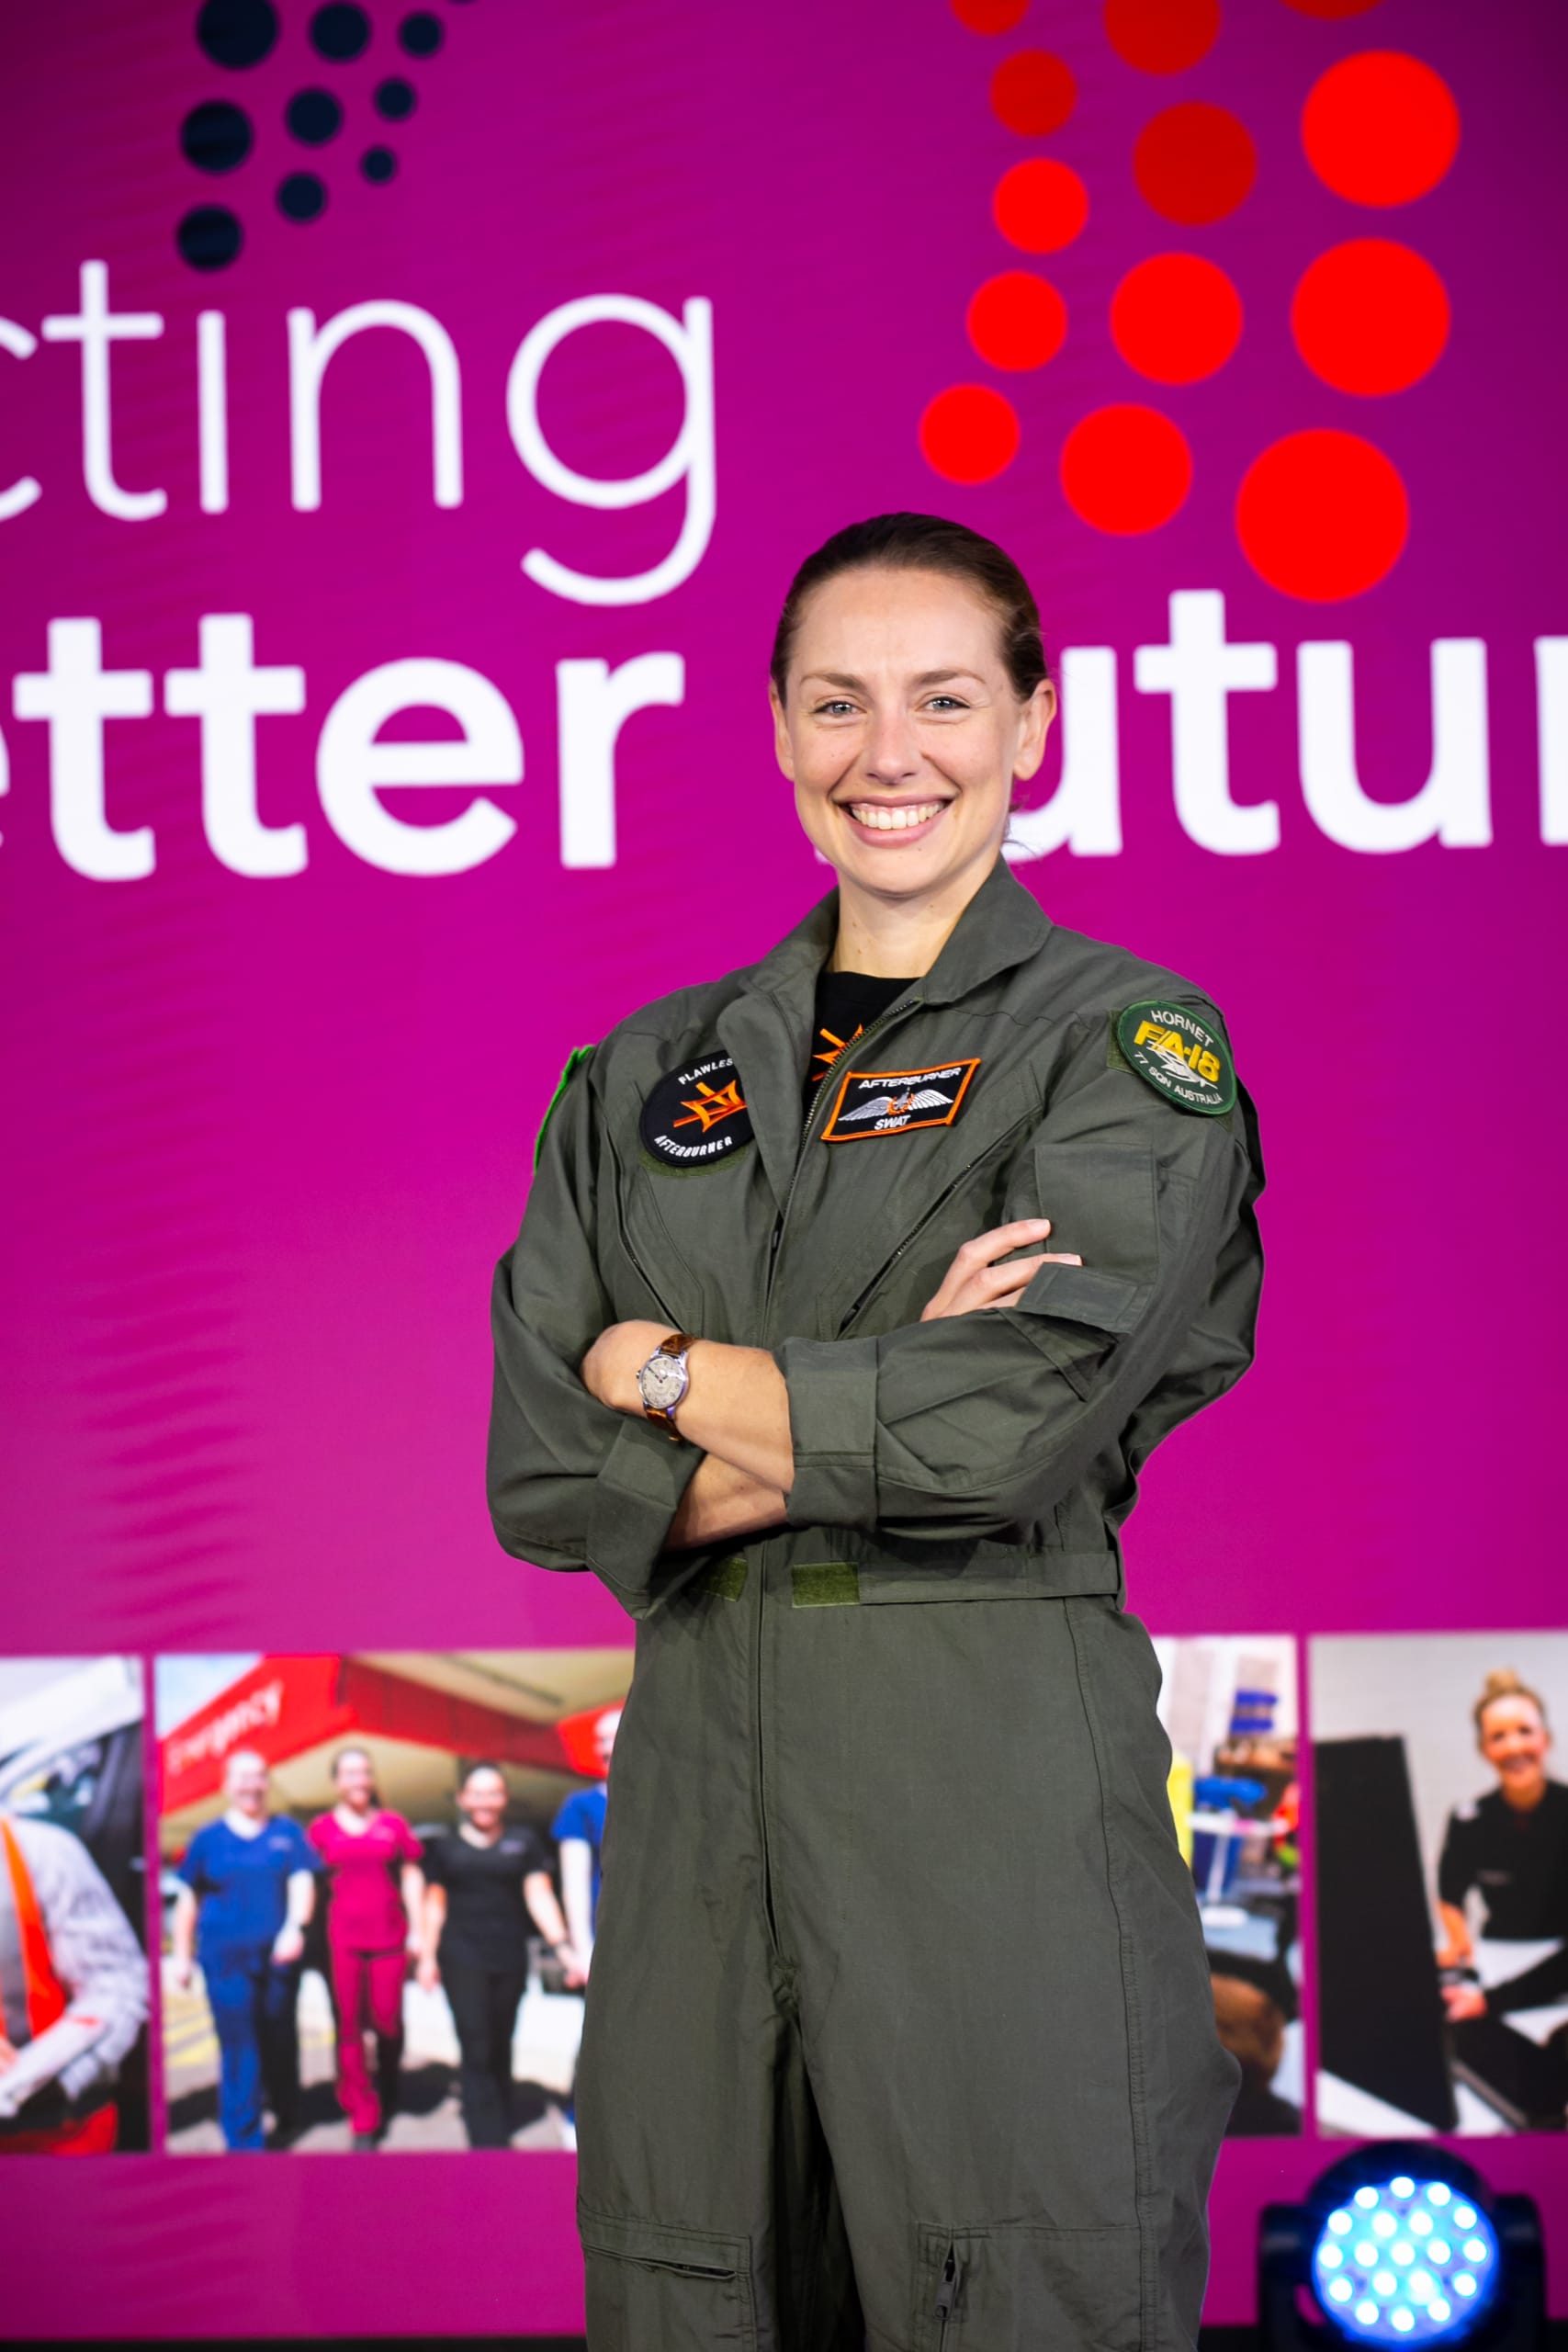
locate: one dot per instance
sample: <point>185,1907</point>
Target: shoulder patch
<point>697,1115</point>
<point>574,1062</point>
<point>1178,1054</point>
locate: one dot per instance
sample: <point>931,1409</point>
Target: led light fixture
<point>1400,2243</point>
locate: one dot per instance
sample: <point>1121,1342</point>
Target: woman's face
<point>900,730</point>
<point>1514,1740</point>
<point>356,1781</point>
<point>482,1800</point>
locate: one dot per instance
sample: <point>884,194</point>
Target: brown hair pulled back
<point>1504,1683</point>
<point>905,542</point>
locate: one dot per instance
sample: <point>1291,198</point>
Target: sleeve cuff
<point>635,1495</point>
<point>832,1427</point>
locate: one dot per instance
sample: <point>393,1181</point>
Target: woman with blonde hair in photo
<point>1512,1846</point>
<point>375,1915</point>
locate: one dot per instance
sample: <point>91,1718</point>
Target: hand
<point>288,1945</point>
<point>574,1967</point>
<point>426,1975</point>
<point>1453,1955</point>
<point>7,2054</point>
<point>610,1368</point>
<point>1462,2001</point>
<point>182,1968</point>
<point>975,1280</point>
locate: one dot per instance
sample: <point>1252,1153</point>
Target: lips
<point>892,823</point>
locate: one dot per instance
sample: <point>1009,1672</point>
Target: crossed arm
<point>736,1409</point>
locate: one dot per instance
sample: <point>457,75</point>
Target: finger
<point>1002,1238</point>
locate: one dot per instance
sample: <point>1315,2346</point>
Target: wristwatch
<point>663,1381</point>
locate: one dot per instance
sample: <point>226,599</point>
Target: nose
<point>892,753</point>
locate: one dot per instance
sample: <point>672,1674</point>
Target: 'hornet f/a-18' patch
<point>696,1116</point>
<point>891,1102</point>
<point>1179,1055</point>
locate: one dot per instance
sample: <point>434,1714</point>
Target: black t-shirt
<point>847,1003</point>
<point>1519,1860</point>
<point>487,1919</point>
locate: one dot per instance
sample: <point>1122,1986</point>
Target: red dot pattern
<point>1040,205</point>
<point>990,15</point>
<point>1032,93</point>
<point>1195,164</point>
<point>1176,318</point>
<point>1125,469</point>
<point>1371,317</point>
<point>969,434</point>
<point>1321,516</point>
<point>1017,321</point>
<point>1162,35</point>
<point>1380,129</point>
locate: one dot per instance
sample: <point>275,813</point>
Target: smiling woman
<point>791,1402</point>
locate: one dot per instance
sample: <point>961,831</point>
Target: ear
<point>782,750</point>
<point>1035,726</point>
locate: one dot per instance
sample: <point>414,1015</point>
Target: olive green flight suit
<point>900,2030</point>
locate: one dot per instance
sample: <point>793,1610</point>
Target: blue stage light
<point>1402,2245</point>
<point>1400,2301</point>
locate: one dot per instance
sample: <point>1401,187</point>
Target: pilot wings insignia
<point>924,1098</point>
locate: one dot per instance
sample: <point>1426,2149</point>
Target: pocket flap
<point>700,2251</point>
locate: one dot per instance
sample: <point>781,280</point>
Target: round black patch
<point>696,1116</point>
<point>215,137</point>
<point>301,197</point>
<point>209,237</point>
<point>395,98</point>
<point>237,33</point>
<point>314,117</point>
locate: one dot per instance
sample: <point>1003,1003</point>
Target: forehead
<point>875,617</point>
<point>1508,1714</point>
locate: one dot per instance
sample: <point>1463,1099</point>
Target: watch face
<point>662,1382</point>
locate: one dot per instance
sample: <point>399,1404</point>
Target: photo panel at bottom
<point>1441,1843</point>
<point>1229,1707</point>
<point>378,1882</point>
<point>74,1978</point>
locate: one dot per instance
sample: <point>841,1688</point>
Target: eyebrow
<point>926,678</point>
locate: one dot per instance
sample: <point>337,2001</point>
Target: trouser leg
<point>235,1987</point>
<point>350,1991</point>
<point>385,1973</point>
<point>278,1997</point>
<point>707,2206</point>
<point>484,2074</point>
<point>1004,2000</point>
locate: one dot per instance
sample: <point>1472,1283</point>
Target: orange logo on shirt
<point>710,1104</point>
<point>835,1047</point>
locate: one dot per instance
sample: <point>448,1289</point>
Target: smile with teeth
<point>882,819</point>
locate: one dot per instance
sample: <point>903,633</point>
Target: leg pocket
<point>1014,2286</point>
<point>656,2290</point>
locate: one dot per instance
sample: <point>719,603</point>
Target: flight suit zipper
<point>947,2295</point>
<point>809,1132</point>
<point>807,1136</point>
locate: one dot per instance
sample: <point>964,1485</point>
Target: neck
<point>482,1836</point>
<point>1525,1797</point>
<point>900,938</point>
<point>245,1825</point>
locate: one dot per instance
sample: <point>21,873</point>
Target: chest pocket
<point>695,1242</point>
<point>918,1200</point>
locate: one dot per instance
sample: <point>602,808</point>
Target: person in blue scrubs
<point>248,1890</point>
<point>578,1831</point>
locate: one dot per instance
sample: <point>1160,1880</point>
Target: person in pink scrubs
<point>376,1896</point>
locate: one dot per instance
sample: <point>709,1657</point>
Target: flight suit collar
<point>767,1028</point>
<point>1003,924</point>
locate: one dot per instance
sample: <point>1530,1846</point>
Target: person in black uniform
<point>484,1882</point>
<point>1510,1846</point>
<point>899,2033</point>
